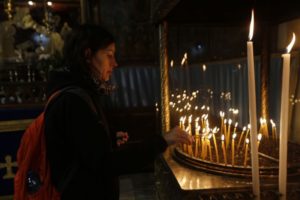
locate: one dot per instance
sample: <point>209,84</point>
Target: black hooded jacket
<point>80,148</point>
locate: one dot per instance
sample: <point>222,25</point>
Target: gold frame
<point>14,125</point>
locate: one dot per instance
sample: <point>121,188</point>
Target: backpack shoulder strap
<point>74,90</point>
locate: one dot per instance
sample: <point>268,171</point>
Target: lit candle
<point>222,114</point>
<point>196,123</point>
<point>225,127</point>
<point>241,137</point>
<point>284,116</point>
<point>197,138</point>
<point>183,128</point>
<point>190,123</point>
<point>235,126</point>
<point>180,122</point>
<point>248,131</point>
<point>209,147</point>
<point>190,150</point>
<point>183,122</point>
<point>184,59</point>
<point>232,148</point>
<point>273,130</point>
<point>263,127</point>
<point>228,133</point>
<point>235,112</point>
<point>259,136</point>
<point>224,149</point>
<point>202,120</point>
<point>215,130</point>
<point>203,146</point>
<point>252,110</point>
<point>246,153</point>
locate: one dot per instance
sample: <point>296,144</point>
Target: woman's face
<point>103,62</point>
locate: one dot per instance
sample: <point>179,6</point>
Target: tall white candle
<point>284,113</point>
<point>252,111</point>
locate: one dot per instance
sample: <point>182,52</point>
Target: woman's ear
<point>88,55</point>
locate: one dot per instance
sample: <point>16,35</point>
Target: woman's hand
<point>177,135</point>
<point>122,137</point>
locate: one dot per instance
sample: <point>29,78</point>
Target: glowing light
<point>259,136</point>
<point>234,136</point>
<point>222,114</point>
<point>290,46</point>
<point>222,137</point>
<point>172,63</point>
<point>31,3</point>
<point>247,141</point>
<point>251,29</point>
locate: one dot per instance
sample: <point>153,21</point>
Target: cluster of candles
<point>223,143</point>
<point>209,140</point>
<point>227,137</point>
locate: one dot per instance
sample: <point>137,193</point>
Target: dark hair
<point>93,37</point>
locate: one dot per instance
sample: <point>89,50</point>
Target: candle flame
<point>205,117</point>
<point>183,119</point>
<point>236,124</point>
<point>204,67</point>
<point>223,137</point>
<point>244,129</point>
<point>249,126</point>
<point>290,46</point>
<point>234,136</point>
<point>215,130</point>
<point>229,121</point>
<point>197,119</point>
<point>247,141</point>
<point>263,121</point>
<point>222,114</point>
<point>190,118</point>
<point>273,124</point>
<point>251,28</point>
<point>259,136</point>
<point>196,107</point>
<point>209,136</point>
<point>172,63</point>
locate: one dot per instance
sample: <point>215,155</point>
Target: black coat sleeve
<point>86,136</point>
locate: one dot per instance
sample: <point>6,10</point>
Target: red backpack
<point>33,178</point>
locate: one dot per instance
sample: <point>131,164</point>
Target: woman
<point>83,162</point>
